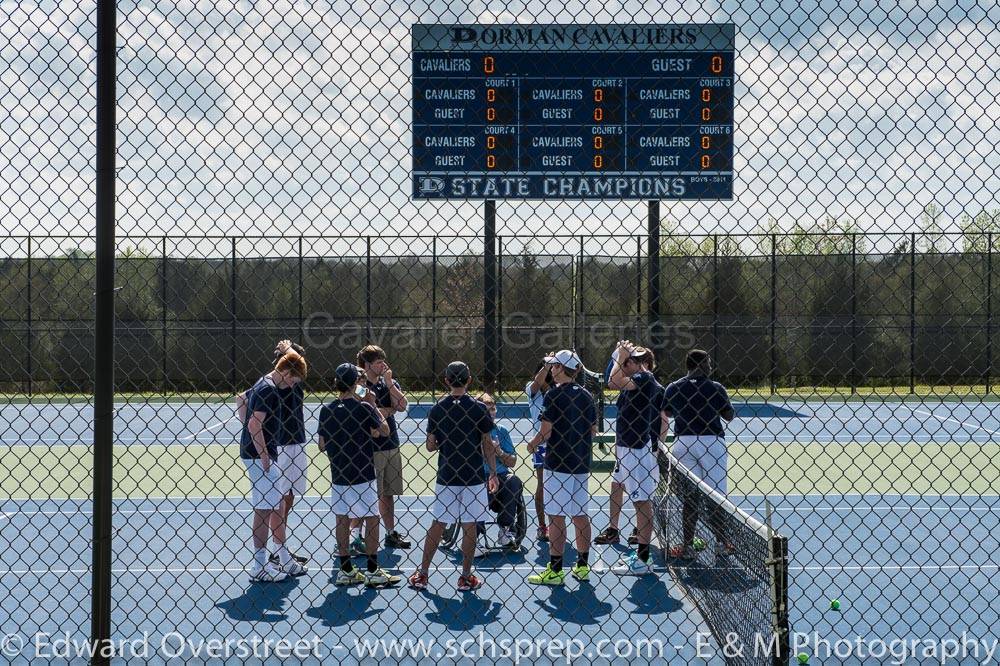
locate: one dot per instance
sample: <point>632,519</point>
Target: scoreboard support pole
<point>491,346</point>
<point>654,326</point>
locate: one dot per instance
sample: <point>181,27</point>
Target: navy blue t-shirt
<point>384,399</point>
<point>263,397</point>
<point>638,421</point>
<point>570,409</point>
<point>695,404</point>
<point>458,424</point>
<point>292,411</point>
<point>346,428</point>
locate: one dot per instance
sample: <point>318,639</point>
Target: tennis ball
<point>699,544</point>
<point>803,658</point>
<point>835,604</point>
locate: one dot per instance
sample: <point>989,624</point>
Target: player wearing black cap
<point>347,430</point>
<point>458,428</point>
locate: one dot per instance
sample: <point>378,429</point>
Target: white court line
<point>900,507</point>
<point>210,428</point>
<point>499,568</point>
<point>971,426</point>
<point>422,510</point>
<point>226,510</point>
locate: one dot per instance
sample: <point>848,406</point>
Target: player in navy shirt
<point>263,433</point>
<point>636,432</point>
<point>291,461</point>
<point>458,428</point>
<point>698,406</point>
<point>390,400</point>
<point>348,428</point>
<point>568,425</point>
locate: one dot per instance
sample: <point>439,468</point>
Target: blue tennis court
<point>889,556</point>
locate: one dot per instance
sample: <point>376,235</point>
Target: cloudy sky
<point>282,118</point>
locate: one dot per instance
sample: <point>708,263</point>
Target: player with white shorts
<point>698,405</point>
<point>348,427</point>
<point>458,428</point>
<point>636,432</point>
<point>263,428</point>
<point>568,426</point>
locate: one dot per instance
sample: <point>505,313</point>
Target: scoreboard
<point>573,111</point>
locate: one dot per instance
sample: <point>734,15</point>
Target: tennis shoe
<point>380,578</point>
<point>417,580</point>
<point>548,577</point>
<point>631,565</point>
<point>608,537</point>
<point>267,574</point>
<point>505,539</point>
<point>581,572</point>
<point>469,582</point>
<point>352,577</point>
<point>293,569</point>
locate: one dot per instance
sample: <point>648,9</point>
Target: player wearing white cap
<point>568,425</point>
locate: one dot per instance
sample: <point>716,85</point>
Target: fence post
<point>499,313</point>
<point>163,309</point>
<point>913,313</point>
<point>579,305</point>
<point>638,285</point>
<point>104,331</point>
<point>302,326</point>
<point>368,289</point>
<point>715,298</point>
<point>854,313</point>
<point>232,315</point>
<point>989,309</point>
<point>490,294</point>
<point>774,313</point>
<point>434,325</point>
<point>30,332</point>
<point>653,284</point>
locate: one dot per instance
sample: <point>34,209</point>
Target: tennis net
<point>738,578</point>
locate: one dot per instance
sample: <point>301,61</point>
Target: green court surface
<point>214,470</point>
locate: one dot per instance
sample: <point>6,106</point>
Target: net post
<point>778,565</point>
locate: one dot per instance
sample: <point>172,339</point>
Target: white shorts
<point>264,493</point>
<point>356,501</point>
<point>706,456</point>
<point>293,465</point>
<point>638,471</point>
<point>566,494</point>
<point>461,504</point>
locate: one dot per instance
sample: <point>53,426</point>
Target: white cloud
<point>253,117</point>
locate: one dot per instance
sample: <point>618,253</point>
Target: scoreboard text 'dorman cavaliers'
<point>573,111</point>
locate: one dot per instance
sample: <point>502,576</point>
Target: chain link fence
<point>253,184</point>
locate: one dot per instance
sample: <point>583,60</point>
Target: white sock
<point>260,557</point>
<point>355,533</point>
<point>284,557</point>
